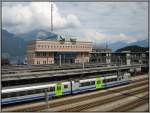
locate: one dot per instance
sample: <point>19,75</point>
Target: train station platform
<point>57,75</point>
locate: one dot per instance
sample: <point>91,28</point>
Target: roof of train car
<point>28,87</point>
<point>40,85</point>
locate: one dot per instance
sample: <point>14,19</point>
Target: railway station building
<point>42,51</point>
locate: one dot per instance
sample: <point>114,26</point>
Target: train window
<point>5,95</point>
<point>84,84</point>
<point>30,92</point>
<point>65,86</point>
<point>92,82</point>
<point>51,89</point>
<point>104,80</point>
<point>76,81</point>
<point>87,83</point>
<point>39,91</point>
<point>114,79</point>
<point>111,80</point>
<point>58,87</point>
<point>98,82</point>
<point>33,91</point>
<point>13,94</point>
<point>22,93</point>
<point>81,85</point>
<point>107,80</point>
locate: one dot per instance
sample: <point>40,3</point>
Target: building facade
<point>101,55</point>
<point>50,52</point>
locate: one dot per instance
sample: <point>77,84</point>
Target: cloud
<point>98,37</point>
<point>111,21</point>
<point>111,17</point>
<point>95,21</point>
<point>20,17</point>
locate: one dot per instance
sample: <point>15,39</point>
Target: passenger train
<point>35,92</point>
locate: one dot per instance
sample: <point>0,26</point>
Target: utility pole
<point>60,60</point>
<point>83,60</point>
<point>106,45</point>
<point>51,16</point>
<point>46,98</point>
<point>64,59</point>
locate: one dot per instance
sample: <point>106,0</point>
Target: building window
<point>44,54</point>
<point>44,62</point>
<point>38,62</point>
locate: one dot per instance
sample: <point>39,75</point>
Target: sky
<point>91,21</point>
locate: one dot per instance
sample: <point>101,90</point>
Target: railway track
<point>74,99</point>
<point>119,103</point>
<point>143,107</point>
<point>133,104</point>
<point>100,101</point>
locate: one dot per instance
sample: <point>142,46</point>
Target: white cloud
<point>95,21</point>
<point>98,37</point>
<point>20,18</point>
<point>130,18</point>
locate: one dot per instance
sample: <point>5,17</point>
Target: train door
<point>75,86</point>
<point>58,89</point>
<point>99,83</point>
<point>127,76</point>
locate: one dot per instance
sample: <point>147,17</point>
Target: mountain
<point>142,43</point>
<point>120,44</point>
<point>35,34</point>
<point>117,45</point>
<point>15,45</point>
<point>12,45</point>
<point>133,48</point>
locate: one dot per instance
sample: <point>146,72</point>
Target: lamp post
<point>46,98</point>
<point>118,74</point>
<point>83,61</point>
<point>60,60</point>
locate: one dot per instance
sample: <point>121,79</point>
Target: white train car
<point>35,92</point>
<point>29,93</point>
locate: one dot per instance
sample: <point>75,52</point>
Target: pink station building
<point>44,51</point>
